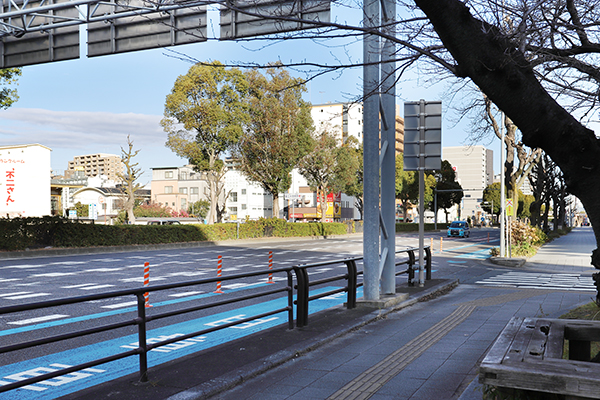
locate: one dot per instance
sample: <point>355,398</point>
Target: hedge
<point>34,233</point>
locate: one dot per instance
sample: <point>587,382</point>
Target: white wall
<point>25,181</point>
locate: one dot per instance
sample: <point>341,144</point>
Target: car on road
<point>459,228</point>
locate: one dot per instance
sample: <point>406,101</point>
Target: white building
<point>25,180</point>
<point>474,166</point>
<point>342,119</point>
<point>246,199</point>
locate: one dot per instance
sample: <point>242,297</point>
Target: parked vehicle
<point>459,228</point>
<point>164,222</point>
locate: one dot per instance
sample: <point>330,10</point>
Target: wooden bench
<point>528,355</point>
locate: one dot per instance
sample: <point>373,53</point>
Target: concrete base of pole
<point>384,301</point>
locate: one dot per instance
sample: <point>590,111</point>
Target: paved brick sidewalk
<point>430,350</point>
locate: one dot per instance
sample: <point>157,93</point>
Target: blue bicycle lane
<point>70,383</point>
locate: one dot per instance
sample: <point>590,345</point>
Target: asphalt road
<point>46,278</point>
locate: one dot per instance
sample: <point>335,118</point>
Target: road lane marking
<point>53,274</point>
<point>26,296</point>
<point>96,287</point>
<point>184,294</point>
<point>38,319</point>
<point>78,286</point>
<point>121,305</point>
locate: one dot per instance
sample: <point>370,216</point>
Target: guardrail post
<point>142,345</point>
<point>290,283</point>
<point>351,302</point>
<point>302,298</point>
<point>411,271</point>
<point>428,263</point>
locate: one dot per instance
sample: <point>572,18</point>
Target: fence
<point>302,310</point>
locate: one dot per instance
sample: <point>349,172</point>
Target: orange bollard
<point>488,237</point>
<point>441,243</point>
<point>270,267</point>
<point>147,283</point>
<point>431,245</point>
<point>219,272</point>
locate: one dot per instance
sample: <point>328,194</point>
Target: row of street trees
<point>260,120</point>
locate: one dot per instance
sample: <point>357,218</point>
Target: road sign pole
<point>388,151</point>
<point>371,151</point>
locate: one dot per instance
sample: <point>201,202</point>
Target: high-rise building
<point>346,119</point>
<point>474,166</point>
<point>109,165</point>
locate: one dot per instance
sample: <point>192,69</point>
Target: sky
<point>91,105</point>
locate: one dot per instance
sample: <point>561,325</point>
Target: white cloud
<point>74,133</point>
<point>78,129</point>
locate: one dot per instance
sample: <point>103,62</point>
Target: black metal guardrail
<point>351,275</point>
<point>302,307</point>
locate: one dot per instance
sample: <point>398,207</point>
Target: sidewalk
<point>429,350</point>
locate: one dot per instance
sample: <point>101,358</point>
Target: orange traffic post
<point>219,272</point>
<point>270,267</point>
<point>431,245</point>
<point>441,243</point>
<point>147,283</point>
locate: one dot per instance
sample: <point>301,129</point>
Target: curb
<point>252,370</point>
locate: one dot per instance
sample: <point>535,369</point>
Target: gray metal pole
<point>422,192</point>
<point>502,202</point>
<point>435,209</point>
<point>388,164</point>
<point>371,152</point>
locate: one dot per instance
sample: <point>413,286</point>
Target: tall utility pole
<point>379,100</point>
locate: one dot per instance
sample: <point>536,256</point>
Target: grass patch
<point>589,312</point>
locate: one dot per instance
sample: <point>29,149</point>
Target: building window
<point>183,204</point>
<point>183,190</point>
<point>194,190</point>
<point>183,176</point>
<point>168,174</point>
<point>243,191</point>
<point>168,189</point>
<point>233,197</point>
<point>243,206</point>
<point>233,209</point>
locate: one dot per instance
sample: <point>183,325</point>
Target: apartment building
<point>346,119</point>
<point>177,187</point>
<point>96,164</point>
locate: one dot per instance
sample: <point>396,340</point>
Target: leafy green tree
<point>328,167</point>
<point>199,208</point>
<point>278,132</point>
<point>404,184</point>
<point>525,201</point>
<point>8,76</point>
<point>129,179</point>
<point>82,209</point>
<point>209,104</point>
<point>447,181</point>
<point>491,196</point>
<point>355,186</point>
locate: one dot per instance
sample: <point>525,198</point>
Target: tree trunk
<point>506,77</point>
<point>275,212</point>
